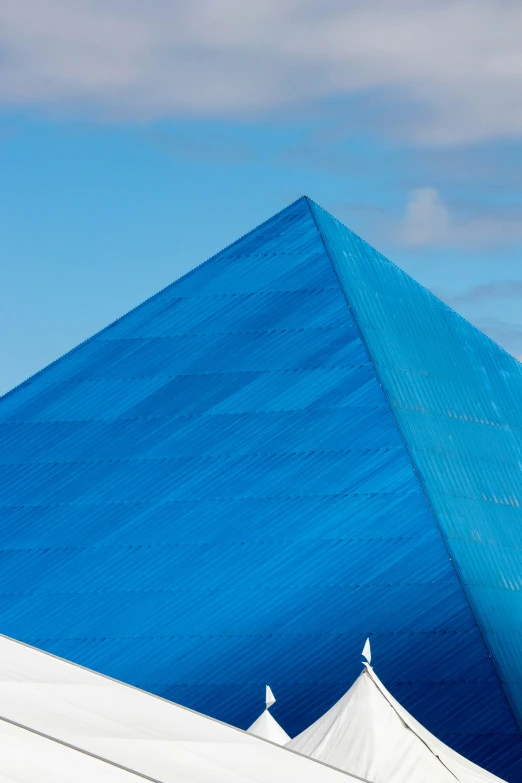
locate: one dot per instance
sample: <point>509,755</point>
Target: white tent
<point>266,725</point>
<point>370,734</point>
<point>26,757</point>
<point>60,722</point>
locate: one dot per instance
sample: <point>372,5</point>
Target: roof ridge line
<point>413,462</point>
<point>445,305</point>
<point>186,274</point>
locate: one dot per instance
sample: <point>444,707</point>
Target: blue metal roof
<point>235,484</point>
<point>457,399</point>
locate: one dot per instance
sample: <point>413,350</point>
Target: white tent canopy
<point>266,725</point>
<point>56,704</point>
<point>26,757</point>
<point>370,734</point>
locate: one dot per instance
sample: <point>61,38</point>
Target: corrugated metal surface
<point>457,398</point>
<point>213,494</point>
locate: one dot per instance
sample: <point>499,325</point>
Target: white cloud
<point>426,221</point>
<point>429,222</point>
<point>458,61</point>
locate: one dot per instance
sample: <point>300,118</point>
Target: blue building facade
<point>290,448</point>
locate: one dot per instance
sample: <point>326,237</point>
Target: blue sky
<point>137,139</point>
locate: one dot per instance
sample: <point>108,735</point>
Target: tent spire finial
<point>269,698</point>
<point>367,653</point>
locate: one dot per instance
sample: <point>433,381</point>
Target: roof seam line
<point>78,750</point>
<point>407,726</point>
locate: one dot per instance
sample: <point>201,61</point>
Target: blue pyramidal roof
<point>290,448</point>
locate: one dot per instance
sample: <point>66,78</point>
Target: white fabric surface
<point>28,758</point>
<point>369,733</point>
<point>268,728</point>
<point>127,726</point>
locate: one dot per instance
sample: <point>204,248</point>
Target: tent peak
<point>369,734</point>
<point>266,725</point>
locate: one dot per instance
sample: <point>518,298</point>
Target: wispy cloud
<point>485,292</point>
<point>488,168</point>
<point>429,222</point>
<point>459,65</point>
